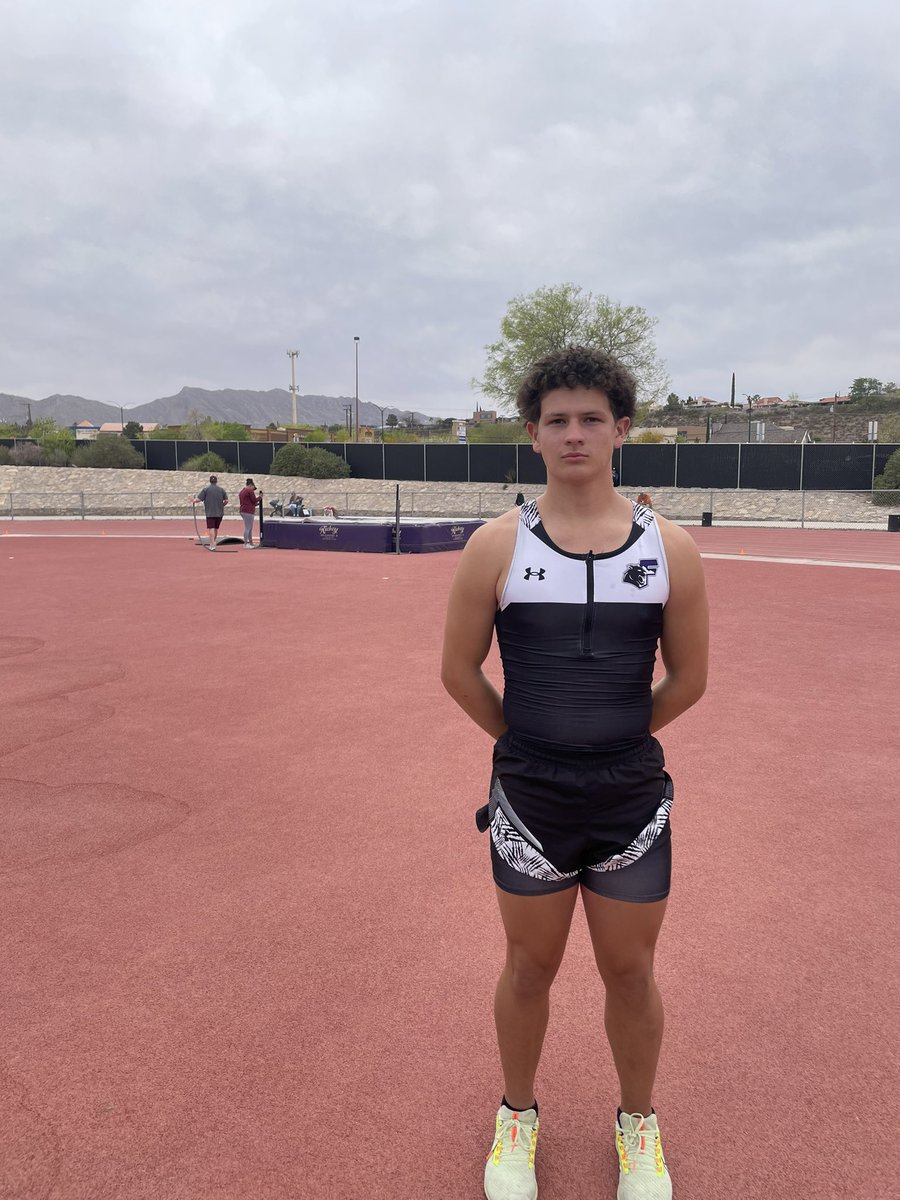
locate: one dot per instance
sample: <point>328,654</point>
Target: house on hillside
<point>671,433</point>
<point>116,427</point>
<point>767,401</point>
<point>835,400</point>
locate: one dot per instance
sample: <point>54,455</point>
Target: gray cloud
<point>193,189</point>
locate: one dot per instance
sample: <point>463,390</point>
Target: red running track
<point>248,929</point>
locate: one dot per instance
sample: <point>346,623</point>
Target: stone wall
<point>59,491</point>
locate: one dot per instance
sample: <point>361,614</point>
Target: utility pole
<point>749,415</point>
<point>732,389</point>
<point>356,393</point>
<point>833,416</point>
<point>292,355</point>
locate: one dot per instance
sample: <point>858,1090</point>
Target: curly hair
<point>577,366</point>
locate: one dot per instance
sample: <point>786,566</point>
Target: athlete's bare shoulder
<point>489,550</point>
<point>682,554</point>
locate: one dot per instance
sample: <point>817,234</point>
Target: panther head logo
<point>636,575</point>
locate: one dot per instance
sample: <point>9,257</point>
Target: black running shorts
<point>562,817</point>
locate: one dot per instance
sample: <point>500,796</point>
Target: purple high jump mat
<point>367,535</point>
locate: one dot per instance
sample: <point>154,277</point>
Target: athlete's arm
<point>685,636</point>
<point>470,627</point>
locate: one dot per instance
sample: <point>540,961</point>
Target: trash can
<point>893,522</point>
<point>706,518</point>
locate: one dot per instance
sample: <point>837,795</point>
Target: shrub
<point>308,463</point>
<point>5,457</point>
<point>54,456</point>
<point>26,454</point>
<point>888,482</point>
<point>108,452</point>
<point>502,431</point>
<point>209,462</point>
<point>57,448</point>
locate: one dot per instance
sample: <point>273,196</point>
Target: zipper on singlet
<point>587,627</point>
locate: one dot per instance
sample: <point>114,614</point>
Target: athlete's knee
<point>529,977</point>
<point>629,981</point>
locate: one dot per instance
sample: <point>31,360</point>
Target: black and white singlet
<point>578,635</point>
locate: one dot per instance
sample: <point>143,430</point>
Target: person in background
<point>249,501</point>
<point>214,499</point>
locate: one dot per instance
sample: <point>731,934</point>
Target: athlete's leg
<point>624,936</point>
<point>537,928</point>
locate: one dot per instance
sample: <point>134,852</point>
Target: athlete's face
<point>577,432</point>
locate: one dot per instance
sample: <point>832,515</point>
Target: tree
<point>132,430</point>
<point>233,431</point>
<point>793,397</point>
<point>552,318</point>
<point>673,402</point>
<point>392,421</point>
<point>865,388</point>
<point>193,424</point>
<point>43,427</point>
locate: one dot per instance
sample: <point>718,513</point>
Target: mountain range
<point>247,407</point>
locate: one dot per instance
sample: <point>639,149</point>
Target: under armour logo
<point>530,571</point>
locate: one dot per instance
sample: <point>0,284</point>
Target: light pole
<point>356,393</point>
<point>292,355</point>
<point>348,417</point>
<point>749,415</point>
<point>382,411</point>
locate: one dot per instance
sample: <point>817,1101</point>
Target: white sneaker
<point>509,1171</point>
<point>642,1168</point>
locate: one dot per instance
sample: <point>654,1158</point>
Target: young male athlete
<point>581,586</point>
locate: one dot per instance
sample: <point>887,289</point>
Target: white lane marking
<point>806,562</point>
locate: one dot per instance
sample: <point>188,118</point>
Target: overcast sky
<point>191,187</point>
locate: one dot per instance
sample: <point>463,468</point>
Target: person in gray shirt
<point>214,499</point>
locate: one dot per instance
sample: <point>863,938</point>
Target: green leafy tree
<point>132,430</point>
<point>308,462</point>
<point>108,452</point>
<point>58,447</point>
<point>234,431</point>
<point>391,421</point>
<point>865,388</point>
<point>552,318</point>
<point>673,402</point>
<point>42,428</point>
